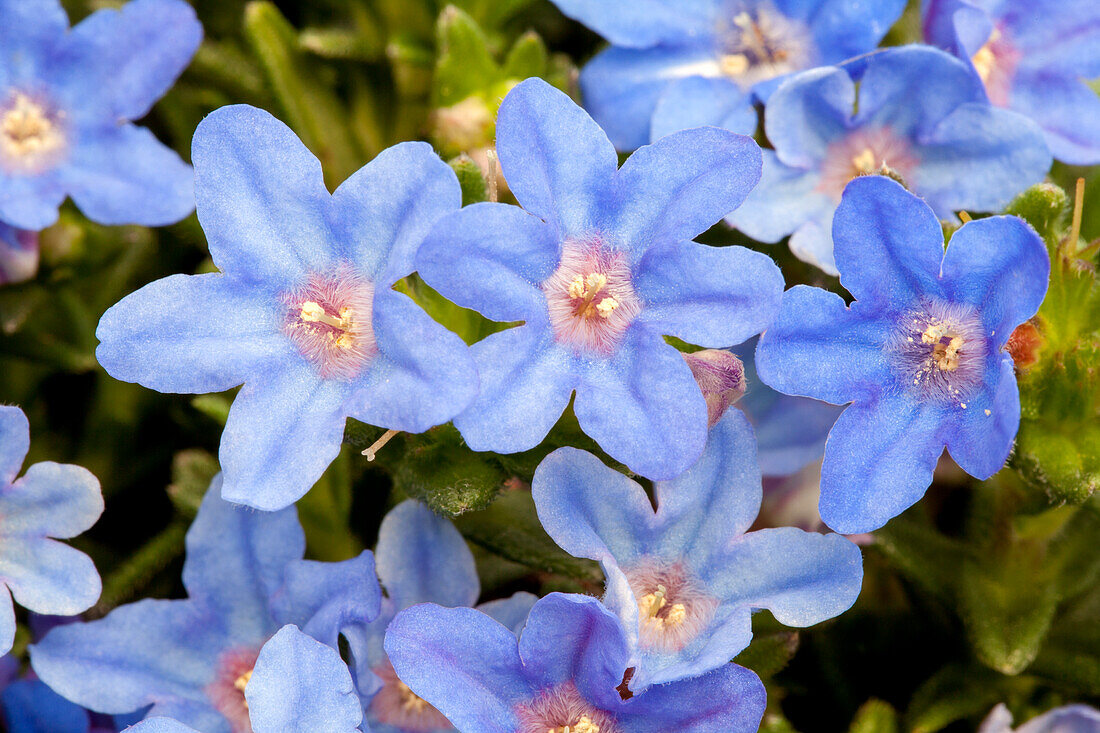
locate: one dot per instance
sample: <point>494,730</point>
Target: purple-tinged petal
<point>816,347</point>
<point>29,31</point>
<point>281,435</point>
<point>786,198</point>
<point>190,333</point>
<point>51,500</point>
<point>387,207</point>
<point>18,254</point>
<point>510,612</point>
<point>300,685</point>
<point>7,620</point>
<point>557,161</point>
<point>130,56</point>
<point>1067,110</point>
<point>462,662</point>
<point>709,296</point>
<point>526,381</point>
<point>643,406</point>
<point>30,202</point>
<point>731,699</point>
<point>646,22</point>
<point>1001,267</point>
<point>422,376</point>
<point>888,243</point>
<point>492,258</point>
<point>678,187</point>
<point>47,576</point>
<point>807,113</point>
<point>159,725</point>
<point>15,441</point>
<point>1058,35</point>
<point>698,101</point>
<point>878,461</point>
<point>30,706</point>
<point>1066,719</point>
<point>261,197</point>
<point>423,559</point>
<point>843,29</point>
<point>325,597</point>
<point>938,23</point>
<point>980,437</point>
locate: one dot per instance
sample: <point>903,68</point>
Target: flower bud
<point>721,377</point>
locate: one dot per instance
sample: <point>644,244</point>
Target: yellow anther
<point>312,312</point>
<point>653,602</point>
<point>743,21</point>
<point>606,306</point>
<point>26,130</point>
<point>242,682</point>
<point>676,615</point>
<point>410,701</point>
<point>583,725</point>
<point>596,282</point>
<point>985,60</point>
<point>576,288</point>
<point>865,162</point>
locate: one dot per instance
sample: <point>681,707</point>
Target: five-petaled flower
<point>303,312</point>
<point>718,56</point>
<point>685,579</point>
<point>919,354</point>
<point>564,674</point>
<point>1034,57</point>
<point>914,110</point>
<point>600,266</point>
<point>66,101</point>
<point>50,501</point>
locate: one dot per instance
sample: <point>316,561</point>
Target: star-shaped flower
<point>66,102</point>
<point>685,579</point>
<point>303,312</point>
<point>600,266</point>
<point>920,354</point>
<point>51,501</point>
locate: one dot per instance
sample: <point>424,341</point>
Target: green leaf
<point>192,472</point>
<point>446,475</point>
<point>957,692</point>
<point>339,43</point>
<point>214,406</point>
<point>770,653</point>
<point>474,187</point>
<point>1043,207</point>
<point>466,65</point>
<point>527,57</point>
<point>875,716</point>
<point>325,510</point>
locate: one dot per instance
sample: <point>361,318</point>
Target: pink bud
<point>721,377</point>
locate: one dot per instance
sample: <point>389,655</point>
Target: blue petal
<point>281,435</point>
<point>887,243</point>
<point>1001,267</point>
<point>422,376</point>
<point>621,86</point>
<point>557,161</point>
<point>645,22</point>
<point>878,461</point>
<point>681,185</point>
<point>261,198</point>
<point>235,561</point>
<point>29,706</point>
<point>1067,110</point>
<point>730,699</point>
<point>124,175</point>
<point>982,434</point>
<point>492,258</point>
<point>574,638</point>
<point>131,56</point>
<point>1057,35</point>
<point>47,576</point>
<point>323,598</point>
<point>462,662</point>
<point>697,101</point>
<point>7,620</point>
<point>510,612</point>
<point>29,32</point>
<point>807,113</point>
<point>819,348</point>
<point>300,685</point>
<point>938,23</point>
<point>51,500</point>
<point>387,207</point>
<point>192,334</point>
<point>709,296</point>
<point>643,406</point>
<point>591,510</point>
<point>422,558</point>
<point>160,725</point>
<point>1066,719</point>
<point>978,158</point>
<point>843,29</point>
<point>786,198</point>
<point>30,202</point>
<point>526,381</point>
<point>15,441</point>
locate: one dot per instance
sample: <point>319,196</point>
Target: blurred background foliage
<point>982,593</point>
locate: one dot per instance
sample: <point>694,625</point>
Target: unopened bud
<point>1024,344</point>
<point>721,377</point>
<point>18,254</point>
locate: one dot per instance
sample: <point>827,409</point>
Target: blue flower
<point>599,264</point>
<point>562,674</point>
<point>920,112</point>
<point>421,559</point>
<point>1066,719</point>
<point>66,101</point>
<point>919,354</point>
<point>1033,56</point>
<point>51,500</point>
<point>18,254</point>
<point>303,312</point>
<point>718,55</point>
<point>685,579</point>
<point>192,659</point>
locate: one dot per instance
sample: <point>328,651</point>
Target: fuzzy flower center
<point>563,710</point>
<point>398,706</point>
<point>672,608</point>
<point>30,134</point>
<point>942,351</point>
<point>226,691</point>
<point>329,320</point>
<point>590,297</point>
<point>996,63</point>
<point>865,152</point>
<point>760,44</point>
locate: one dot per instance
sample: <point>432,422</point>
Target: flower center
<point>995,63</point>
<point>865,152</point>
<point>226,691</point>
<point>942,351</point>
<point>672,608</point>
<point>329,319</point>
<point>563,710</point>
<point>30,136</point>
<point>589,297</point>
<point>761,44</point>
<point>398,706</point>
